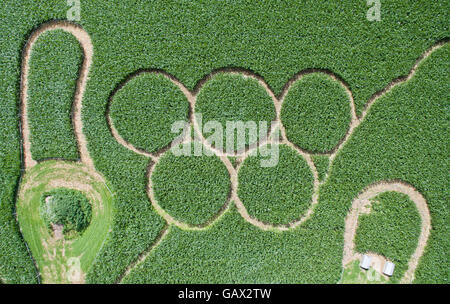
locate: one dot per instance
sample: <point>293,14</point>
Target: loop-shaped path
<point>88,50</point>
<point>361,205</point>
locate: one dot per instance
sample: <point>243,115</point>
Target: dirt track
<point>242,155</point>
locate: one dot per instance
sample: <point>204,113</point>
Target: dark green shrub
<point>66,207</point>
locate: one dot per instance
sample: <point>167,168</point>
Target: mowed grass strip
<point>144,110</point>
<point>391,229</point>
<point>231,97</point>
<point>54,65</point>
<point>278,194</point>
<point>354,274</point>
<point>192,189</point>
<point>316,113</point>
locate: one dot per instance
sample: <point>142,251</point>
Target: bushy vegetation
<point>278,194</point>
<point>66,207</point>
<point>192,189</point>
<point>391,229</point>
<point>230,97</point>
<point>276,40</point>
<point>144,110</point>
<point>316,113</point>
<point>54,65</point>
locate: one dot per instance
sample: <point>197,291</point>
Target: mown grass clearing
<point>353,274</point>
<point>52,255</point>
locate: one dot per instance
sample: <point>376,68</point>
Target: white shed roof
<point>365,262</point>
<point>388,268</point>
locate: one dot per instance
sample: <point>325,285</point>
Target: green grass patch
<point>144,110</point>
<point>353,274</point>
<point>230,97</point>
<point>279,194</point>
<point>192,189</point>
<point>53,256</point>
<point>391,229</point>
<point>55,61</point>
<point>316,113</point>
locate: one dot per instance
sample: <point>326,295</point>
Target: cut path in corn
<point>361,205</point>
<point>60,260</point>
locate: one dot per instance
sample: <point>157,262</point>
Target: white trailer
<point>365,262</point>
<point>388,268</point>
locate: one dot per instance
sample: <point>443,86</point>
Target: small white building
<point>365,262</point>
<point>388,268</point>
